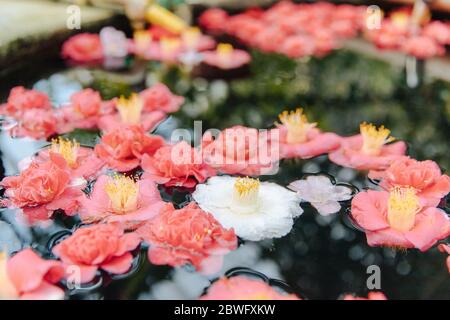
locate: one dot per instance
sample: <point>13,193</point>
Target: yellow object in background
<point>160,16</point>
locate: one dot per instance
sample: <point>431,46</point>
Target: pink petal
<point>118,265</point>
<point>369,209</point>
<point>45,291</point>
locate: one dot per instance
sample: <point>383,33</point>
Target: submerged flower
<point>102,246</point>
<point>369,150</point>
<point>243,288</point>
<point>301,139</point>
<point>226,57</point>
<point>321,193</point>
<point>242,150</point>
<point>121,199</point>
<point>187,235</point>
<point>176,165</point>
<point>160,98</point>
<point>43,188</point>
<point>29,277</point>
<point>396,219</point>
<point>130,113</point>
<point>445,249</point>
<point>255,210</point>
<point>83,48</point>
<point>424,176</point>
<point>123,147</point>
<point>373,295</point>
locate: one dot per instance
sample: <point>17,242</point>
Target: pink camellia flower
<point>242,150</point>
<point>176,165</point>
<point>368,150</point>
<point>424,176</point>
<point>123,147</point>
<point>396,219</point>
<point>243,288</point>
<point>84,111</point>
<point>83,48</point>
<point>101,246</point>
<point>439,31</point>
<point>27,276</point>
<point>226,57</point>
<point>298,46</point>
<point>445,249</point>
<point>81,161</point>
<point>160,98</point>
<point>300,139</point>
<point>214,19</point>
<point>20,100</point>
<point>130,112</point>
<point>36,124</point>
<point>43,188</point>
<point>422,47</point>
<point>373,295</point>
<point>121,199</point>
<point>187,235</point>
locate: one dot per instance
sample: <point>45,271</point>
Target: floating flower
<point>301,139</point>
<point>115,47</point>
<point>21,100</point>
<point>81,161</point>
<point>368,150</point>
<point>321,193</point>
<point>255,210</point>
<point>422,47</point>
<point>243,288</point>
<point>160,98</point>
<point>226,57</point>
<point>130,113</point>
<point>187,235</point>
<point>43,188</point>
<point>242,150</point>
<point>424,176</point>
<point>123,147</point>
<point>83,48</point>
<point>84,111</point>
<point>36,124</point>
<point>445,249</point>
<point>373,295</point>
<point>27,276</point>
<point>439,31</point>
<point>102,246</point>
<point>176,165</point>
<point>121,199</point>
<point>213,19</point>
<point>396,219</point>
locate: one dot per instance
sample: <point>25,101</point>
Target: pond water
<point>322,257</point>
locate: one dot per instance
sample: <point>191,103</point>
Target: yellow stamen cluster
<point>245,195</point>
<point>400,19</point>
<point>374,139</point>
<point>142,38</point>
<point>130,109</point>
<point>245,186</point>
<point>403,206</point>
<point>68,149</point>
<point>191,36</point>
<point>123,193</point>
<point>224,50</point>
<point>297,125</point>
<point>169,45</point>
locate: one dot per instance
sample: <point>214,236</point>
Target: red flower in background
<point>187,235</point>
<point>83,48</point>
<point>21,100</point>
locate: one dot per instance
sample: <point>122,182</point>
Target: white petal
<point>327,208</point>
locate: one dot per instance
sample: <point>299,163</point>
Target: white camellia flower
<point>256,210</point>
<point>321,193</point>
